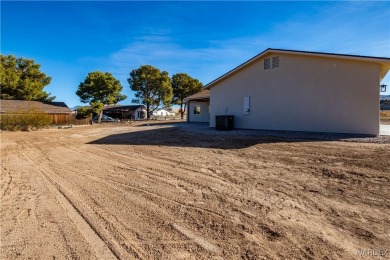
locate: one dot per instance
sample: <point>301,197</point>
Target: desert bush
<point>84,112</point>
<point>24,121</point>
<point>385,113</point>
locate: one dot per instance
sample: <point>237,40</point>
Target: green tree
<point>22,79</point>
<point>100,89</point>
<point>152,87</point>
<point>184,86</point>
<point>84,112</point>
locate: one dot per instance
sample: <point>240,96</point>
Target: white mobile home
<point>302,91</point>
<point>163,113</point>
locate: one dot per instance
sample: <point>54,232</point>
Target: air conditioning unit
<point>225,122</point>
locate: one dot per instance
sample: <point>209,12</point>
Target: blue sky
<point>202,39</point>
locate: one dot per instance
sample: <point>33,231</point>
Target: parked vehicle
<point>104,119</point>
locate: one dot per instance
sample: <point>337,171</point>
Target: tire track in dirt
<point>232,192</point>
<point>15,206</point>
<point>164,170</point>
<point>144,206</point>
<point>133,187</point>
<point>197,239</point>
<point>97,243</point>
<point>230,201</point>
<point>285,198</point>
<point>23,229</point>
<point>88,213</point>
<point>7,184</point>
<point>166,173</point>
<point>146,167</point>
<point>158,170</point>
<point>150,171</point>
<point>156,208</point>
<point>186,233</point>
<point>152,163</point>
<point>273,202</point>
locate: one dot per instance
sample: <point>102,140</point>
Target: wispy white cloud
<point>345,27</point>
<point>167,54</point>
<point>353,28</point>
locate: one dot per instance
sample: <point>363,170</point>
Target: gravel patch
<point>288,135</point>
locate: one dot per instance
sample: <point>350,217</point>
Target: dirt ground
<point>161,192</point>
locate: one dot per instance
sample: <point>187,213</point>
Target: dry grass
<point>385,116</point>
<point>24,121</point>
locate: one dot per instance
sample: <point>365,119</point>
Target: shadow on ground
<point>188,135</point>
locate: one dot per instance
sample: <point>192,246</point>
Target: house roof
<point>13,106</point>
<point>383,61</point>
<point>120,108</point>
<point>203,95</point>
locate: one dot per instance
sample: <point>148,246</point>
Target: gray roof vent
<point>267,63</point>
<point>275,62</point>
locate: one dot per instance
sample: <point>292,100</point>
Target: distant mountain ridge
<point>75,108</point>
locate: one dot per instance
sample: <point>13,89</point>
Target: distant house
<point>163,113</point>
<point>174,110</point>
<point>385,102</point>
<point>385,105</point>
<point>58,111</point>
<point>301,91</point>
<point>198,107</point>
<point>137,112</point>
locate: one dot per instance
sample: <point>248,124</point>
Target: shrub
<point>24,121</point>
<point>84,112</point>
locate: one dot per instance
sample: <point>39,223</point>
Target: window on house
<point>275,62</point>
<point>196,110</point>
<point>267,63</point>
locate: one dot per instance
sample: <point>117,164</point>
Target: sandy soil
<point>160,192</point>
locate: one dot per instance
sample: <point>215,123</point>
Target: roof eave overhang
<point>383,71</point>
<point>196,99</point>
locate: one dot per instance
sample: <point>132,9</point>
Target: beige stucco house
<point>302,91</point>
